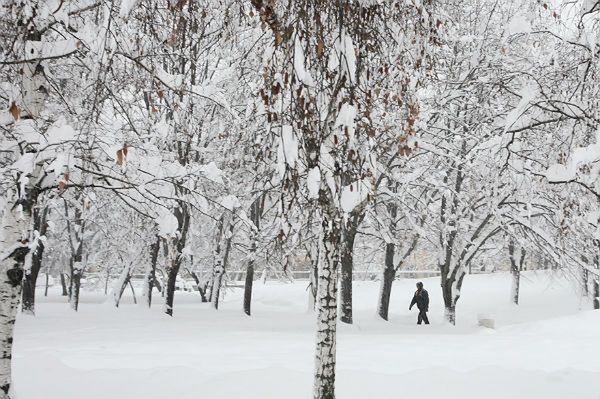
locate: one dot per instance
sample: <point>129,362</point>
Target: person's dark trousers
<point>422,317</point>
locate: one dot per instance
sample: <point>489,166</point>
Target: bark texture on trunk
<point>347,266</point>
<point>20,198</point>
<point>14,237</point>
<point>325,361</point>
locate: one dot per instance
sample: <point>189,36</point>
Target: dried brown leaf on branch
<point>320,47</point>
<point>62,184</point>
<point>278,38</point>
<point>14,111</point>
<point>122,154</point>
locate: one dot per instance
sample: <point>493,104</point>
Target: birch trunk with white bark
<point>14,237</point>
<point>325,358</point>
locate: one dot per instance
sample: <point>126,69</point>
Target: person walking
<point>421,299</point>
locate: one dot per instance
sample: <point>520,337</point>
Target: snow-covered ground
<point>546,348</point>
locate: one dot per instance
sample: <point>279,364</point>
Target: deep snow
<point>546,348</point>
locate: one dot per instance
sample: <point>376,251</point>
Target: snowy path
<point>544,349</point>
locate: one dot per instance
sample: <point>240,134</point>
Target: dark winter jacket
<point>421,299</point>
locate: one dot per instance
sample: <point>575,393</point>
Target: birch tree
<point>326,70</point>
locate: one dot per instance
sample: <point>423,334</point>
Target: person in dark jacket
<point>421,299</point>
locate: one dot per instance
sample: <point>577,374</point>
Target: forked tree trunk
<point>324,387</point>
<point>451,285</point>
<point>31,275</point>
<point>124,280</point>
<point>389,274</point>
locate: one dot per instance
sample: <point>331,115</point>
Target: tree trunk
<point>450,314</point>
<point>255,215</point>
<point>172,270</point>
<point>150,277</point>
<point>314,283</point>
<point>132,292</point>
<point>389,274</point>
<point>314,252</point>
<point>63,283</point>
<point>597,293</point>
<point>106,280</point>
<point>31,275</point>
<point>47,283</point>
<point>248,287</point>
<point>201,290</point>
<point>347,264</point>
<point>516,282</point>
<point>175,246</point>
<point>585,291</point>
<point>451,285</point>
<point>76,235</point>
<point>515,268</point>
<point>124,280</point>
<point>75,287</point>
<point>221,255</point>
<point>324,387</point>
<point>20,198</point>
<point>14,237</point>
<point>347,261</point>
